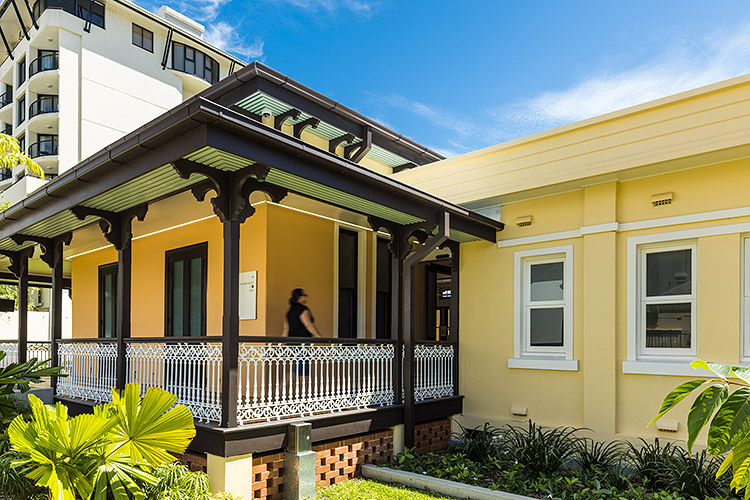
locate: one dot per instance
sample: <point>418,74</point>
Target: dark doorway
<point>348,274</point>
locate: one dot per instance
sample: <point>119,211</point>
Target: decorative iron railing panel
<point>285,380</point>
<point>190,370</point>
<point>41,350</point>
<point>90,368</point>
<point>11,353</point>
<point>434,371</point>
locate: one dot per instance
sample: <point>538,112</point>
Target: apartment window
<point>186,284</point>
<point>667,300</point>
<point>22,143</point>
<point>143,38</point>
<point>21,71</point>
<point>96,14</point>
<point>108,301</point>
<point>21,110</point>
<point>382,289</point>
<point>746,300</point>
<point>544,304</point>
<point>194,62</point>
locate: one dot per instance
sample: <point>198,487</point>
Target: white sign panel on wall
<point>248,294</point>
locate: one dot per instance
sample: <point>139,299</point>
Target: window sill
<point>673,368</point>
<point>568,365</point>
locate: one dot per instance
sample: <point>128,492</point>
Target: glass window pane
<point>547,281</point>
<point>669,273</point>
<point>137,36</point>
<point>668,326</point>
<point>546,329</point>
<point>108,306</point>
<point>148,40</point>
<point>178,56</point>
<point>196,295</point>
<point>178,276</point>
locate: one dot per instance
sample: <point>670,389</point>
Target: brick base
<point>196,462</point>
<point>432,436</point>
<point>336,462</point>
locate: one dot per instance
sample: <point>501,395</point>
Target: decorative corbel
<point>279,120</point>
<point>334,143</point>
<point>52,248</point>
<point>299,127</point>
<point>116,226</point>
<point>19,260</point>
<point>233,189</point>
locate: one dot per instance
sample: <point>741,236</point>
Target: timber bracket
<point>19,261</point>
<point>52,248</point>
<point>116,226</point>
<point>233,189</point>
<point>279,120</point>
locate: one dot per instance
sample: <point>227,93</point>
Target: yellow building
<point>625,255</point>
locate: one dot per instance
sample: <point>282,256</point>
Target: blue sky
<point>457,76</point>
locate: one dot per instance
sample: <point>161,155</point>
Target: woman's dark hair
<point>296,294</point>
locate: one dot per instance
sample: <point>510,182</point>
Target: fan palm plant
<point>11,156</point>
<point>109,454</point>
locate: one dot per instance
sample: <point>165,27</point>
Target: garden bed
<point>360,489</point>
<point>559,463</point>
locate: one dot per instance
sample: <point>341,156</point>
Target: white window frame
<point>745,304</point>
<point>542,357</point>
<point>642,301</point>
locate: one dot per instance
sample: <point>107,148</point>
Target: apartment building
<point>77,75</point>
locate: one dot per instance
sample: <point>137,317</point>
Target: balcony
<point>46,147</point>
<point>45,62</point>
<point>6,98</point>
<point>43,105</point>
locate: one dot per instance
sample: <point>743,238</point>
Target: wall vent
<point>523,221</point>
<point>667,425</point>
<point>662,199</point>
<point>520,411</point>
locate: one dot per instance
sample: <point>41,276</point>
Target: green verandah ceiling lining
<point>258,100</point>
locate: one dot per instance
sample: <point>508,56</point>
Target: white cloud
<point>203,10</point>
<point>680,67</point>
<point>362,7</point>
<point>228,38</point>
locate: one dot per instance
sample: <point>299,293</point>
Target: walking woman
<point>299,320</point>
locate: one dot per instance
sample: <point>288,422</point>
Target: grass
<point>363,489</point>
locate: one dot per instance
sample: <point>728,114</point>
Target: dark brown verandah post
<point>232,205</point>
<point>455,249</point>
<point>431,242</point>
<point>52,255</point>
<point>118,230</point>
<point>19,267</point>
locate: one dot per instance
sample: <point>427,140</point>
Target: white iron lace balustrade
<point>41,350</point>
<point>91,369</point>
<point>434,371</point>
<point>188,369</point>
<point>11,353</point>
<point>292,380</point>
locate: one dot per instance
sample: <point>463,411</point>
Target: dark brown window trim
<point>142,31</point>
<point>185,254</point>
<point>108,269</point>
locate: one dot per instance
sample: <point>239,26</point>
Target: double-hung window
<point>544,306</point>
<point>108,301</point>
<point>186,284</point>
<point>666,301</point>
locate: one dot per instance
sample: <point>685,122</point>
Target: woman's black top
<point>296,327</point>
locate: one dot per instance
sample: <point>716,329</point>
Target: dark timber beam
<point>7,46</point>
<point>231,204</point>
<point>31,14</point>
<point>358,151</point>
<point>278,121</point>
<point>431,243</point>
<point>34,280</point>
<point>52,255</point>
<point>20,20</point>
<point>118,230</point>
<point>19,266</point>
<point>299,127</point>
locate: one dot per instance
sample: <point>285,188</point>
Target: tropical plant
<point>11,156</point>
<point>595,456</point>
<point>652,462</point>
<point>19,375</point>
<point>540,449</point>
<point>109,454</point>
<point>695,475</point>
<point>729,415</point>
<point>478,444</point>
<point>177,482</point>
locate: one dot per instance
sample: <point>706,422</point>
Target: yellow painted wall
<point>288,248</point>
<point>599,395</point>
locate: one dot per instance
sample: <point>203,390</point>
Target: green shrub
<point>452,466</point>
<point>652,462</point>
<point>540,449</point>
<point>13,481</point>
<point>696,475</point>
<point>479,445</point>
<point>177,482</point>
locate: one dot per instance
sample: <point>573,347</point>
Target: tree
<point>108,454</point>
<point>11,156</point>
<point>729,429</point>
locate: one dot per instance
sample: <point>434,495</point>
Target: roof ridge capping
<point>259,70</point>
